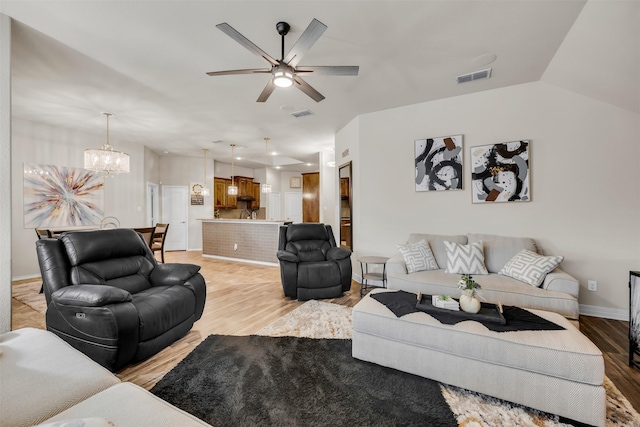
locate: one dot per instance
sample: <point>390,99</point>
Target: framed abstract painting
<point>500,172</point>
<point>438,163</point>
<point>57,196</point>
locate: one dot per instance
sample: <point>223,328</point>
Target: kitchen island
<point>248,240</point>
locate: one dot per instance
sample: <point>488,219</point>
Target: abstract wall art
<point>500,172</point>
<point>57,196</point>
<point>438,163</point>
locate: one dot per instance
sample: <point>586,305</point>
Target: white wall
<point>5,172</point>
<point>179,170</point>
<point>124,195</point>
<point>585,192</point>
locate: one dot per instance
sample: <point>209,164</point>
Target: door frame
<point>153,204</point>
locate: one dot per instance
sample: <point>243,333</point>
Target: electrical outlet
<point>592,285</point>
<point>235,246</point>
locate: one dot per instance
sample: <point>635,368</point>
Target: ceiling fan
<point>285,72</point>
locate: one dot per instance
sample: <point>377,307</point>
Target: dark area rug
<point>289,381</point>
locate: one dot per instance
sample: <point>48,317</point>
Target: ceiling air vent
<point>302,113</point>
<point>476,75</point>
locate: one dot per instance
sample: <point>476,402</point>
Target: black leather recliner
<point>311,266</point>
<point>109,298</point>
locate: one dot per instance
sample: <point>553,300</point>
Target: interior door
<point>175,205</point>
<point>293,206</point>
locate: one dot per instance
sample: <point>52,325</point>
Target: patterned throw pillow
<point>530,267</point>
<point>465,259</point>
<point>418,257</point>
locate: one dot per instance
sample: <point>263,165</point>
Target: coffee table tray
<point>488,312</point>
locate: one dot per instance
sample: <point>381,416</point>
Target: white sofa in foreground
<point>45,380</point>
<point>558,292</point>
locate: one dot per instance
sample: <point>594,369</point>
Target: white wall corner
<point>5,172</point>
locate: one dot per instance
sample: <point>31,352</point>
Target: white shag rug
<point>313,319</point>
<point>316,319</point>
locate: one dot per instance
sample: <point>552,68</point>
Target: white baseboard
<point>28,276</point>
<point>248,261</point>
<point>607,313</point>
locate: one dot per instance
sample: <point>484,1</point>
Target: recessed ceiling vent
<point>476,75</point>
<point>302,113</point>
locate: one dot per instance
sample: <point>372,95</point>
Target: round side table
<point>365,261</point>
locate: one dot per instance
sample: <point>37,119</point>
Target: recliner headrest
<point>314,231</point>
<point>91,246</point>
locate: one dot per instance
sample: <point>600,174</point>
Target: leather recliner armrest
<point>287,256</point>
<point>90,295</point>
<point>335,254</point>
<point>172,274</point>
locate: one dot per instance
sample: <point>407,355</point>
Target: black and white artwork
<point>439,163</point>
<point>500,172</point>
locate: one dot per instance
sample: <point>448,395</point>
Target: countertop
<point>245,221</point>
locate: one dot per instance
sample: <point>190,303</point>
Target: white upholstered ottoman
<point>560,371</point>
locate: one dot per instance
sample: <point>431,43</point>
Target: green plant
<point>468,284</point>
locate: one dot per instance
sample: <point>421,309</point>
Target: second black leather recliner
<point>109,298</point>
<point>311,266</point>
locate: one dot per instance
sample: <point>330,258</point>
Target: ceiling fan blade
<point>336,70</point>
<point>232,72</point>
<point>234,34</point>
<point>308,89</point>
<point>266,92</point>
<point>304,43</point>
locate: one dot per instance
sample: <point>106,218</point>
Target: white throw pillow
<point>530,267</point>
<point>465,259</point>
<point>418,257</point>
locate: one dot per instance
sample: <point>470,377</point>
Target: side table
<point>366,276</point>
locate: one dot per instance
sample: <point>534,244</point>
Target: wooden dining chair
<point>159,238</point>
<point>147,234</point>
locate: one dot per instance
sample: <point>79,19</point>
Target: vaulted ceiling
<point>145,62</point>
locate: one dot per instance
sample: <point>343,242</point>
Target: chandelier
<point>105,159</point>
<point>266,188</point>
<point>233,189</point>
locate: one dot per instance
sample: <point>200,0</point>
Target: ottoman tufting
<point>560,372</point>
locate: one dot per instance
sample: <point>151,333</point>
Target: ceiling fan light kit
<point>285,71</point>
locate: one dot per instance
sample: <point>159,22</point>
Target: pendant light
<point>233,189</point>
<point>205,189</point>
<point>105,159</point>
<point>266,188</point>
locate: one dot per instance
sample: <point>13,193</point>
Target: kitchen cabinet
<point>220,193</point>
<point>232,200</point>
<point>255,204</point>
<point>344,188</point>
<point>245,188</point>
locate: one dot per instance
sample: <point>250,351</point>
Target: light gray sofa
<point>45,380</point>
<point>558,293</point>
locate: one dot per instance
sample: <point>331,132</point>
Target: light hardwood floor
<point>242,298</point>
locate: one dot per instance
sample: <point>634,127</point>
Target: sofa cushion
<point>43,375</point>
<point>498,250</point>
<point>465,259</point>
<point>436,243</point>
<point>530,267</point>
<point>418,256</point>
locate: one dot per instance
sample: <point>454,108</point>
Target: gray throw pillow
<point>530,267</point>
<point>465,259</point>
<point>418,257</point>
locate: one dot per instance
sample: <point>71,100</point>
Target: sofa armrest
<point>335,254</point>
<point>287,256</point>
<point>90,295</point>
<point>561,281</point>
<point>396,265</point>
<point>172,274</point>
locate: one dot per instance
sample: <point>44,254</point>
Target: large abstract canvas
<point>61,197</point>
<point>438,163</point>
<point>500,172</point>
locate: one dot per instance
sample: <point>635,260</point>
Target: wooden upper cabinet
<point>344,188</point>
<point>256,195</point>
<point>232,201</point>
<point>220,193</point>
